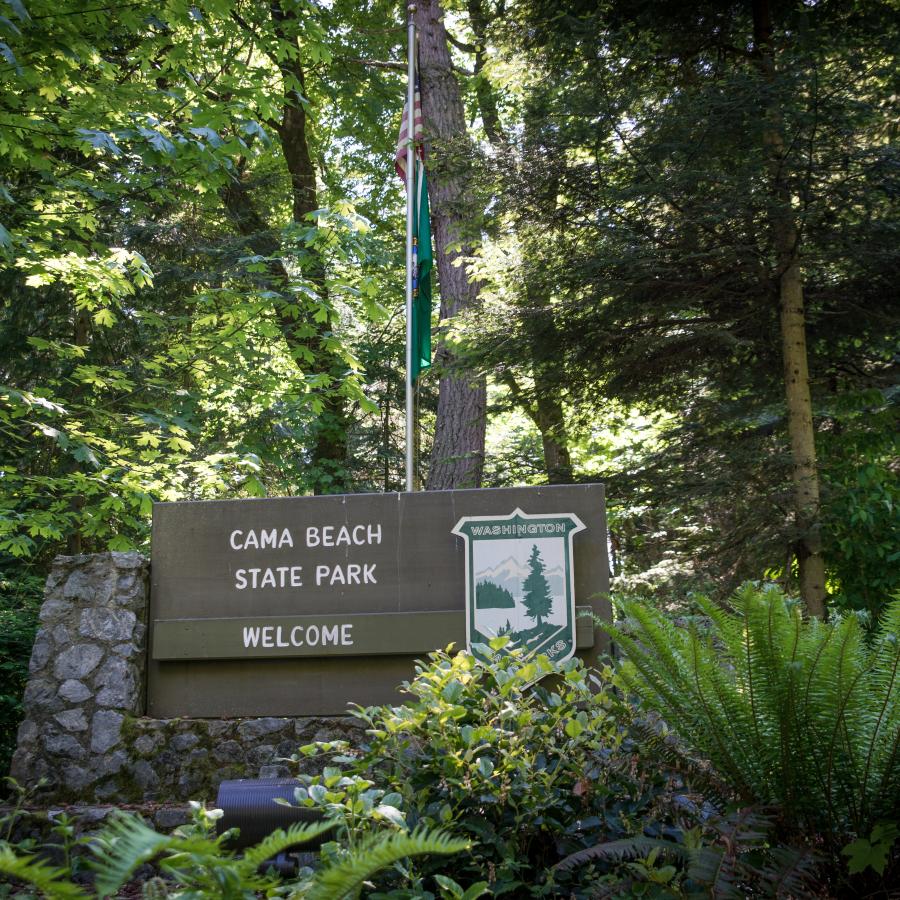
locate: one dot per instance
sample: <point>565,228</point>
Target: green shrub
<point>791,711</point>
<point>728,857</point>
<point>529,771</point>
<point>21,593</point>
<point>862,529</point>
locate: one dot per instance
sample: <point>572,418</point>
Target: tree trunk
<point>547,415</point>
<point>487,103</point>
<point>457,458</point>
<point>552,426</point>
<point>810,560</point>
<point>786,241</point>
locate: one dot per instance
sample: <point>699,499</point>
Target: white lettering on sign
<point>264,540</point>
<point>271,637</point>
<point>343,536</point>
<point>352,573</point>
<point>529,528</point>
<point>291,576</point>
<point>280,576</point>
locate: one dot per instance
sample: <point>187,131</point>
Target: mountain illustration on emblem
<point>519,582</point>
<point>517,595</point>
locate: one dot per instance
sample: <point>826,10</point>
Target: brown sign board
<point>300,605</point>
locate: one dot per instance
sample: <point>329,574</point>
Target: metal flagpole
<point>410,189</point>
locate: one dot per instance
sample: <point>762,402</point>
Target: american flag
<point>400,157</point>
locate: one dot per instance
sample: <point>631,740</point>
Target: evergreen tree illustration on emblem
<point>537,599</point>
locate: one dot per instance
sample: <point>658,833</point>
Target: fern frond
<point>749,825</point>
<point>792,874</point>
<point>121,846</point>
<point>341,879</point>
<point>714,868</point>
<point>795,712</point>
<point>883,755</point>
<point>47,879</point>
<point>281,840</point>
<point>623,888</point>
<point>695,773</point>
<point>622,850</point>
<point>127,842</point>
<point>656,660</point>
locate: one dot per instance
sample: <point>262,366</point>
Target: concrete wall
<point>85,735</point>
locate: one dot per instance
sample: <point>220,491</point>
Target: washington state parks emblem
<point>520,581</point>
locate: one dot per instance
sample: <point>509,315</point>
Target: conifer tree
<point>537,601</point>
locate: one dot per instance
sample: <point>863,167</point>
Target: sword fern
<point>196,866</point>
<point>791,711</point>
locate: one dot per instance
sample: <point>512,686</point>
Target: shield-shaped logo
<point>520,581</point>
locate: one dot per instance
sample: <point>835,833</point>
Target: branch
<point>374,63</point>
<point>460,45</point>
<point>395,66</point>
<point>518,395</point>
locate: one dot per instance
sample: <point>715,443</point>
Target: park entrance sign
<point>299,606</point>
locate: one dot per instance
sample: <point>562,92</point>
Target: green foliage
<point>862,508</point>
<point>21,592</point>
<point>632,228</point>
<point>171,325</point>
<point>561,793</point>
<point>873,851</point>
<point>792,712</point>
<point>523,768</point>
<point>193,863</point>
<point>50,880</point>
<point>375,853</point>
<point>728,857</point>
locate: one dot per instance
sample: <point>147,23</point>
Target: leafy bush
<point>729,856</point>
<point>861,498</point>
<point>528,771</point>
<point>863,538</point>
<point>193,863</point>
<point>561,790</point>
<point>20,599</point>
<point>793,712</point>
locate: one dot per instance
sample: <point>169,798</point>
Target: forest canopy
<point>202,241</point>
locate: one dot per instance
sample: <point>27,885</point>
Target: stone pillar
<point>87,676</point>
<point>85,732</point>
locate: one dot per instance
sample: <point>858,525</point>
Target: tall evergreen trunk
<point>546,412</point>
<point>457,458</point>
<point>789,277</point>
<point>551,423</point>
<point>547,416</point>
<point>329,438</point>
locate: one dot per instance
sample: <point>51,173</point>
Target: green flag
<point>422,258</point>
<point>422,262</point>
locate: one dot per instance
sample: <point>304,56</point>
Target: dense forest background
<point>202,231</point>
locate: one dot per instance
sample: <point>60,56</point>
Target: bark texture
<point>457,458</point>
<point>789,280</point>
<point>547,415</point>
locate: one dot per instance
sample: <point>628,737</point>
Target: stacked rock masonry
<point>84,736</point>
